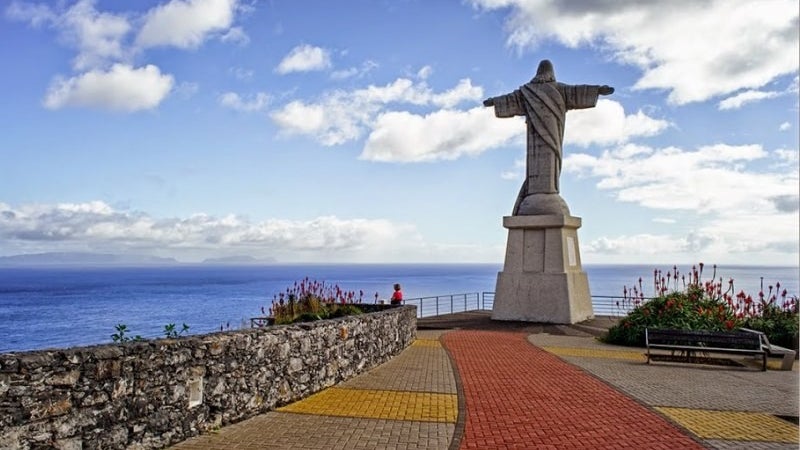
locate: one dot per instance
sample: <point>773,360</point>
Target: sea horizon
<point>65,306</point>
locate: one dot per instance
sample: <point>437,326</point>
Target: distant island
<point>109,259</point>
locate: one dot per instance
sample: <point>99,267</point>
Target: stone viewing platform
<point>468,382</point>
<point>460,381</point>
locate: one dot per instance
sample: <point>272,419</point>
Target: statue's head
<point>545,72</point>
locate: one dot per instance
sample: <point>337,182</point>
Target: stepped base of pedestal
<point>543,297</point>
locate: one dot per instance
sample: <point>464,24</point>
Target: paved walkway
<point>470,383</point>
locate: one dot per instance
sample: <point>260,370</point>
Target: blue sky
<point>353,131</point>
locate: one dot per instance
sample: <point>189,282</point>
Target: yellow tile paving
<point>374,404</point>
<point>733,425</point>
<point>426,343</point>
<point>773,364</point>
<point>596,353</point>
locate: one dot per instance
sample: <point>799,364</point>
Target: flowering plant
<point>689,303</point>
<point>310,300</point>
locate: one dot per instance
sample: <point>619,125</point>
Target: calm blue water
<point>63,307</point>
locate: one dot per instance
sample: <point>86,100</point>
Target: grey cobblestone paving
<point>689,386</point>
<point>749,445</point>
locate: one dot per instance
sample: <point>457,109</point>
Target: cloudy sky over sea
<point>353,131</point>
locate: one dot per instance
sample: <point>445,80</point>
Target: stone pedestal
<point>542,278</point>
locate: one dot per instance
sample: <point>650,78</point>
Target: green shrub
<point>677,310</point>
<point>779,324</point>
<point>344,310</point>
<point>696,305</point>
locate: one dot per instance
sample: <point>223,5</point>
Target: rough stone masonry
<point>151,394</point>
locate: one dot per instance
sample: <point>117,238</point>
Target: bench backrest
<point>702,338</point>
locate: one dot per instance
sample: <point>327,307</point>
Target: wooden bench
<point>693,341</point>
<point>787,355</point>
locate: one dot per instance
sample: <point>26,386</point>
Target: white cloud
<point>331,123</point>
<point>236,35</point>
<point>646,244</point>
<point>297,117</point>
<point>695,50</point>
<point>241,73</point>
<point>401,90</point>
<point>785,126</point>
<point>665,220</point>
<point>254,103</point>
<point>345,73</point>
<point>464,91</point>
<point>305,58</point>
<point>402,136</point>
<point>607,123</point>
<point>37,15</point>
<point>106,78</point>
<point>730,239</point>
<point>672,178</point>
<point>441,135</point>
<point>425,72</point>
<point>187,89</point>
<point>97,36</point>
<point>355,72</point>
<point>736,205</point>
<point>743,98</point>
<point>186,23</point>
<point>342,116</point>
<point>121,88</point>
<point>96,225</point>
<point>787,157</point>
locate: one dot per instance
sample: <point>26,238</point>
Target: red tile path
<point>518,396</point>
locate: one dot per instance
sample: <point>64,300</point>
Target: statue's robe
<point>544,106</point>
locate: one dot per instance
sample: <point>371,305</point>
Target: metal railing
<point>437,305</point>
<point>451,303</point>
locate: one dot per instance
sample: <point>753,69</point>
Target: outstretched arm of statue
<point>508,105</point>
<point>605,90</point>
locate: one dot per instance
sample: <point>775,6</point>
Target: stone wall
<point>151,394</point>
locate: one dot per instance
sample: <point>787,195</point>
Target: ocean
<point>59,307</point>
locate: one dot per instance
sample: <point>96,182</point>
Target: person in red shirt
<point>397,296</point>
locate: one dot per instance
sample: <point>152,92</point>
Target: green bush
<point>779,324</point>
<point>689,310</point>
<point>696,305</point>
<point>344,310</point>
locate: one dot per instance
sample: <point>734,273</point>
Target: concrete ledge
<point>535,222</point>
